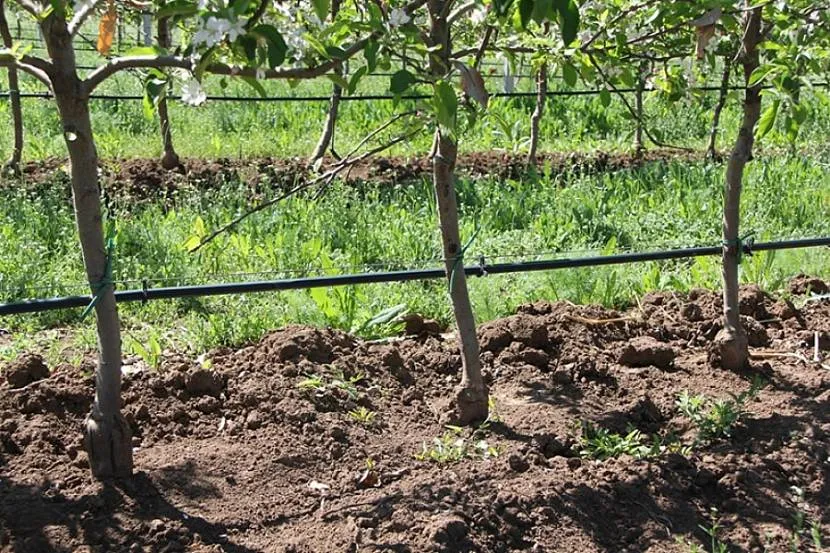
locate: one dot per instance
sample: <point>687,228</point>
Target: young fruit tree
<point>422,43</point>
<point>237,38</point>
<point>12,165</point>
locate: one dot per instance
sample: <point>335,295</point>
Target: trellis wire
<point>481,269</point>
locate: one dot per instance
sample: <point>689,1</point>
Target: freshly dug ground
<point>233,455</point>
<point>144,179</point>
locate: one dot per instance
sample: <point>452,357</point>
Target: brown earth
<point>232,456</point>
<point>145,179</point>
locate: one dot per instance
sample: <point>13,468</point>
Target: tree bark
<point>327,138</point>
<point>12,166</point>
<point>711,148</point>
<point>470,403</point>
<point>536,118</point>
<point>169,159</point>
<point>730,346</point>
<point>639,145</point>
<point>107,436</point>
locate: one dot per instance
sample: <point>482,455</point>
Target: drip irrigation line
<point>481,269</point>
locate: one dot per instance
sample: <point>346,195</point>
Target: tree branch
<point>30,6</point>
<point>326,178</point>
<point>633,111</point>
<point>81,16</point>
<point>462,9</point>
<point>160,62</point>
<point>7,60</point>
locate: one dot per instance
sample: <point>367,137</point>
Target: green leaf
<point>180,8</point>
<point>401,80</point>
<point>256,85</point>
<point>321,8</point>
<point>338,80</point>
<point>355,79</point>
<point>58,7</point>
<point>568,20</point>
<point>146,51</point>
<point>276,44</point>
<point>445,103</point>
<point>248,44</point>
<point>605,97</point>
<point>760,74</point>
<point>335,52</point>
<point>569,74</point>
<point>371,54</point>
<point>542,10</point>
<point>767,119</point>
<point>502,7</point>
<point>525,12</point>
<point>154,90</point>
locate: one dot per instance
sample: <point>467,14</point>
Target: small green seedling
<point>452,447</point>
<point>716,419</point>
<point>363,415</point>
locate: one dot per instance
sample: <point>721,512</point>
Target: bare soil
<point>145,179</point>
<point>232,456</point>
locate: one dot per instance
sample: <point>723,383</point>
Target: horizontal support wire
<point>482,269</point>
<point>377,97</point>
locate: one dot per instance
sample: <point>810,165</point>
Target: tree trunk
<point>169,159</point>
<point>107,437</point>
<point>639,144</point>
<point>327,138</point>
<point>731,347</point>
<point>535,119</point>
<point>711,149</point>
<point>12,166</point>
<point>471,397</point>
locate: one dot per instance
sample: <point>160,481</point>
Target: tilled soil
<point>233,454</point>
<point>145,179</point>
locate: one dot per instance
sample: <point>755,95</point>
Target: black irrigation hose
<point>372,97</point>
<point>482,269</point>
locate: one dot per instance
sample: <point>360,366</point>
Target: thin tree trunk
<point>12,166</point>
<point>535,119</point>
<point>107,436</point>
<point>731,343</point>
<point>169,159</point>
<point>471,398</point>
<point>327,138</point>
<point>639,145</point>
<point>711,149</point>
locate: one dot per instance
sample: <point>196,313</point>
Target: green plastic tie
<point>740,244</point>
<point>459,259</point>
<point>99,287</point>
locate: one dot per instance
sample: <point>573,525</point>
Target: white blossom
<point>84,4</point>
<point>585,36</point>
<point>192,93</point>
<point>260,73</point>
<point>478,15</point>
<point>398,17</point>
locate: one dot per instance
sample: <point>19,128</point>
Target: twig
<point>28,386</point>
<point>633,111</point>
<point>592,322</point>
<point>327,178</point>
<point>81,15</point>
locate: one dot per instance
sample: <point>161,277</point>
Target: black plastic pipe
<point>482,269</point>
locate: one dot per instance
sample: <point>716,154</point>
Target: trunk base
<point>170,161</point>
<point>730,350</point>
<point>108,442</point>
<point>10,169</point>
<point>469,405</point>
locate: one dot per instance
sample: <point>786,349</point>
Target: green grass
<point>378,227</point>
<point>353,229</point>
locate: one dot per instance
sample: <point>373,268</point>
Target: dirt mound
<point>312,440</point>
<point>145,179</point>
